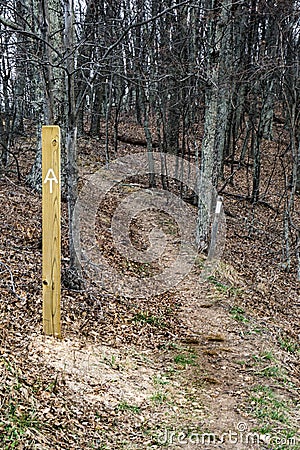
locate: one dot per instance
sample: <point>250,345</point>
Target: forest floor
<point>211,363</point>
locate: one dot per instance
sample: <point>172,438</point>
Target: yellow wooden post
<point>51,229</point>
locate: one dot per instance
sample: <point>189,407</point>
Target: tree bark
<point>73,277</point>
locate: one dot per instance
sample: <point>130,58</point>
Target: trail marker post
<point>51,229</point>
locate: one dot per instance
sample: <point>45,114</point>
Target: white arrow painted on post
<point>50,177</point>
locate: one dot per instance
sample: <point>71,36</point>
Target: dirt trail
<point>193,394</point>
<point>192,368</point>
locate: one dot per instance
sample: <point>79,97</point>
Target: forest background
<point>215,83</point>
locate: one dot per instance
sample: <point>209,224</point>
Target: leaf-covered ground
<point>209,364</point>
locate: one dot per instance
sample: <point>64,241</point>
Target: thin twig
<point>11,280</point>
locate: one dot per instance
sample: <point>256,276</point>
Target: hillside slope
<point>208,364</point>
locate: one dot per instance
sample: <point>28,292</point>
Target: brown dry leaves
<point>128,369</point>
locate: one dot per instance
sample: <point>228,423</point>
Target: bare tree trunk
<point>216,119</point>
<point>97,101</point>
<point>208,175</point>
<point>144,107</point>
<point>45,96</point>
<point>6,116</point>
<point>73,276</point>
<point>21,74</point>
